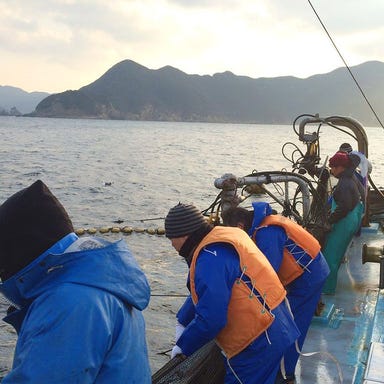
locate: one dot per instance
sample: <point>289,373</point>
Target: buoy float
<point>256,189</point>
<point>160,231</point>
<point>80,231</point>
<point>127,229</point>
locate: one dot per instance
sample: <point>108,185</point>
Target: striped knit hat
<point>182,220</point>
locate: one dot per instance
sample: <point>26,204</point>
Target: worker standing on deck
<point>236,298</point>
<point>362,163</point>
<point>346,212</point>
<point>295,255</point>
<point>76,302</point>
<point>362,171</point>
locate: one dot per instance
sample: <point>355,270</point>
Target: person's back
<point>347,192</point>
<point>285,244</point>
<point>78,300</point>
<point>363,168</point>
<point>363,164</point>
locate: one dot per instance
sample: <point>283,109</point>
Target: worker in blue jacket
<point>236,298</point>
<point>76,302</point>
<point>295,255</point>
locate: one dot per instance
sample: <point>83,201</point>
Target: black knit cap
<point>182,220</point>
<point>345,147</point>
<point>31,221</point>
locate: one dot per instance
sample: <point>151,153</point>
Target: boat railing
<point>229,184</point>
<point>336,122</point>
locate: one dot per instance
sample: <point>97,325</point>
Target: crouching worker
<point>237,298</point>
<point>295,255</point>
<point>77,302</point>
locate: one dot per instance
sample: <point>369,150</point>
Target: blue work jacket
<point>79,316</point>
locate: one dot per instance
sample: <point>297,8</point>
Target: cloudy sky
<point>55,45</point>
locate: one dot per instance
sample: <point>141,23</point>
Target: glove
<point>179,330</point>
<point>176,350</point>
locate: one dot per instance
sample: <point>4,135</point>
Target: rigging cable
<point>346,65</point>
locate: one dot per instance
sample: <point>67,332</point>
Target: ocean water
<point>132,173</point>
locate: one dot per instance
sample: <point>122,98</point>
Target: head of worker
<point>345,147</point>
<point>238,217</point>
<point>353,157</point>
<point>31,221</point>
<point>339,162</point>
<point>185,226</point>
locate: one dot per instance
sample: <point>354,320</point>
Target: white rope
<point>233,371</point>
<point>308,354</point>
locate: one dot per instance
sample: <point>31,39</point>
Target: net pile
<point>205,366</point>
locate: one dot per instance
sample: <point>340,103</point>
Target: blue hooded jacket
<point>217,269</point>
<point>79,316</point>
<point>304,292</point>
<point>272,240</point>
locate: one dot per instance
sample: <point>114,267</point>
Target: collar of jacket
<point>192,241</point>
<point>9,288</point>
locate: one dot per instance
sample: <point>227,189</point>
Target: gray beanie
<point>182,220</point>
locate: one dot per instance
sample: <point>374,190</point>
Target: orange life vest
<point>247,316</point>
<point>290,269</point>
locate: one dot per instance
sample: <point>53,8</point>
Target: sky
<point>57,45</point>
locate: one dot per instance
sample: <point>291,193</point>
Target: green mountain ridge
<point>130,91</point>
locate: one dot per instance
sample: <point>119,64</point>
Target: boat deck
<point>348,336</point>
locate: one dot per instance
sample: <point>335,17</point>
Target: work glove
<point>178,331</point>
<point>176,350</point>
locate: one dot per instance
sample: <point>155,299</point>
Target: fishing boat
<point>345,340</point>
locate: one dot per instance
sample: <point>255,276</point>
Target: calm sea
<point>132,173</point>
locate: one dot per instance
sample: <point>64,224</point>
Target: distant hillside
<point>131,91</point>
<point>22,101</point>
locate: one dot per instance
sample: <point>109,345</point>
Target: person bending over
<point>236,298</point>
<point>296,257</point>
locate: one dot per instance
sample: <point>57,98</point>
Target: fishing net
<point>205,366</point>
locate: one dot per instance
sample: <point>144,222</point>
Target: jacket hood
<point>260,211</point>
<point>87,261</point>
<point>41,221</point>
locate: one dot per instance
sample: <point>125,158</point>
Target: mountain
<point>12,98</point>
<point>131,91</point>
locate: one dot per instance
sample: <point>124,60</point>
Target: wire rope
<point>346,65</point>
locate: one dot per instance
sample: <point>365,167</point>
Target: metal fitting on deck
<point>374,255</point>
